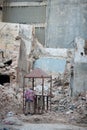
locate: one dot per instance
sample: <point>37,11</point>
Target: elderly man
<point>29,101</point>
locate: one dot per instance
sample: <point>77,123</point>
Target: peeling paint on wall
<point>51,65</point>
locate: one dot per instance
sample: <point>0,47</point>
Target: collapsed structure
<point>23,49</point>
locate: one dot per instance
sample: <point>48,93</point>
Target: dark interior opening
<point>4,79</point>
<point>81,53</point>
<point>0,8</point>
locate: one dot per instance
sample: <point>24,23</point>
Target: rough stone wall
<point>8,42</point>
<point>66,19</point>
<point>11,36</point>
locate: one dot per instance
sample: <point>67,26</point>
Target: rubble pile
<point>81,107</point>
<point>61,100</point>
<point>10,99</point>
<point>74,107</point>
<point>11,96</point>
<point>10,62</point>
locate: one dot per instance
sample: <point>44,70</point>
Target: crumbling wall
<point>10,46</point>
<point>80,78</point>
<point>0,15</point>
<point>8,42</point>
<point>80,67</point>
<point>22,64</point>
<point>16,42</point>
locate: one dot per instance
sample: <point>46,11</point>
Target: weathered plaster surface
<point>51,65</point>
<point>9,32</point>
<point>80,67</point>
<point>0,16</point>
<point>16,41</point>
<point>66,19</point>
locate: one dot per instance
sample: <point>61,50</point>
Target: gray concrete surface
<point>65,21</point>
<point>80,78</point>
<point>51,127</point>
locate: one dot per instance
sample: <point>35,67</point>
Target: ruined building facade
<point>57,22</point>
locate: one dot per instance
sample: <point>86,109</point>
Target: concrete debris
<point>12,121</point>
<point>10,114</point>
<point>2,65</point>
<point>10,100</point>
<point>74,107</point>
<point>11,93</point>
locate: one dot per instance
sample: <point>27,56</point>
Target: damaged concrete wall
<point>52,61</point>
<point>22,64</point>
<point>27,15</point>
<point>8,42</point>
<point>10,36</point>
<point>51,65</point>
<point>80,78</point>
<point>13,48</point>
<point>66,19</point>
<point>27,12</point>
<point>0,15</point>
<point>80,67</point>
<point>26,32</point>
<point>40,34</point>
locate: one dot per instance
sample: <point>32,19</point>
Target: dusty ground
<point>42,126</point>
<point>59,126</point>
<point>52,118</point>
<point>51,127</point>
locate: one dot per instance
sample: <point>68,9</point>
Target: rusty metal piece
<point>36,73</point>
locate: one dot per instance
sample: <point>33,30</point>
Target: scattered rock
<point>12,121</point>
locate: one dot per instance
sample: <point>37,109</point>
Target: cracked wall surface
<point>66,20</point>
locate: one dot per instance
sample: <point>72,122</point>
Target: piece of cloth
<point>29,95</point>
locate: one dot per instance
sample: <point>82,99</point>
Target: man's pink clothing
<point>29,95</point>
